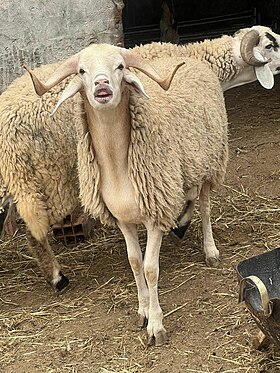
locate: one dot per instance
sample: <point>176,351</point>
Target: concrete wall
<point>34,32</point>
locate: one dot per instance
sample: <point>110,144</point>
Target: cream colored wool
<point>217,53</point>
<point>178,140</point>
<point>38,153</point>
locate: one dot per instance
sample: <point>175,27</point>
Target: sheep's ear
<point>263,73</point>
<point>134,84</point>
<point>264,76</point>
<point>73,87</point>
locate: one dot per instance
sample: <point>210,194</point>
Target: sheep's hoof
<point>157,340</point>
<point>180,231</point>
<point>142,322</point>
<point>62,283</point>
<point>212,262</point>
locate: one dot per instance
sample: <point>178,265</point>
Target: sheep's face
<point>257,47</point>
<point>101,70</point>
<point>262,44</point>
<point>268,47</point>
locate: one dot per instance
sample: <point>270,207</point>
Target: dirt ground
<point>91,326</point>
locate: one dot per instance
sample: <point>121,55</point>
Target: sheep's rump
<point>178,140</point>
<point>38,153</point>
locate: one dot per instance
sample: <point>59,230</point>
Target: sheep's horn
<point>67,68</point>
<point>132,60</point>
<point>248,42</point>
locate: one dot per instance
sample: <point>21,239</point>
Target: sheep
<point>138,159</point>
<point>38,166</point>
<point>15,105</point>
<point>252,53</point>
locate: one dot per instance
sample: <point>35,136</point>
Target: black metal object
<point>259,279</point>
<point>195,20</point>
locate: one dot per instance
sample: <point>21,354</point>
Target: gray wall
<point>34,32</point>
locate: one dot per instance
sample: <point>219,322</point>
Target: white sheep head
<point>259,47</point>
<point>101,71</point>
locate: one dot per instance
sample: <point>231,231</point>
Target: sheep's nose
<point>101,81</point>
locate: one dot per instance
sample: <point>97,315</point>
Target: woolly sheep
<point>15,105</point>
<point>252,53</point>
<point>38,165</point>
<point>138,159</point>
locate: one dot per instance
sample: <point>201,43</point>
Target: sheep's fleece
<point>178,140</point>
<point>216,52</point>
<point>38,153</point>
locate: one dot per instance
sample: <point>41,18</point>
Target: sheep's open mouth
<point>103,94</point>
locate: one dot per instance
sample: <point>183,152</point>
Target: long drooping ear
<point>265,76</point>
<point>67,68</point>
<point>263,73</point>
<point>134,84</point>
<point>132,60</point>
<point>73,87</point>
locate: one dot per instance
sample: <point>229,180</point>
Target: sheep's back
<point>217,53</point>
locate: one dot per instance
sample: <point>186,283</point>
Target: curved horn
<point>248,42</point>
<point>67,68</point>
<point>132,60</point>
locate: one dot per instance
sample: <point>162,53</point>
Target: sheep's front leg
<point>136,262</point>
<point>209,247</point>
<point>155,328</point>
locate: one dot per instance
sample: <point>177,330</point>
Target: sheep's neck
<point>110,132</point>
<point>223,57</point>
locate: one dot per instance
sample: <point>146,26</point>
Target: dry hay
<point>34,321</point>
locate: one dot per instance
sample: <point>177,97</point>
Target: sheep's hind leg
<point>136,262</point>
<point>155,328</point>
<point>184,220</point>
<point>186,215</point>
<point>47,262</point>
<point>209,247</point>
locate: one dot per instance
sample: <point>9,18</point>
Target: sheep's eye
<point>82,71</point>
<point>269,46</point>
<point>121,66</point>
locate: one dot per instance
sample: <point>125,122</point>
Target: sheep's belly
<point>121,202</point>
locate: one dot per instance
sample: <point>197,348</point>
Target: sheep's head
<point>101,71</point>
<point>259,47</point>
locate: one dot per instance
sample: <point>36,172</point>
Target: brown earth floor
<point>90,327</point>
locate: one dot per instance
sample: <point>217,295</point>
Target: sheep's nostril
<point>101,81</point>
